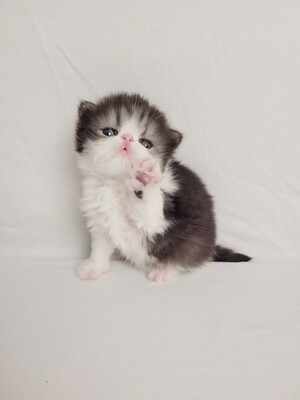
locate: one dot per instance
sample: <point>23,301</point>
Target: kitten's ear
<point>177,137</point>
<point>85,107</point>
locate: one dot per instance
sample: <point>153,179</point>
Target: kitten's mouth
<point>125,149</point>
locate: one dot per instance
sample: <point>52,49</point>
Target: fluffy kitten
<point>136,198</point>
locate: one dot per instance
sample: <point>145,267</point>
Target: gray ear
<point>85,107</point>
<point>177,137</point>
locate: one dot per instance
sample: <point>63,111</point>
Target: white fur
<point>116,217</point>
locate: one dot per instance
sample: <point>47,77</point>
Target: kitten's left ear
<point>177,137</point>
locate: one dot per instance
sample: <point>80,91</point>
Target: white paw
<point>90,269</point>
<point>148,172</point>
<point>160,275</point>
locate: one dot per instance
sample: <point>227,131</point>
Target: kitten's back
<point>190,239</point>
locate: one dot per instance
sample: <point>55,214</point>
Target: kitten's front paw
<point>160,275</point>
<point>148,172</point>
<point>90,269</point>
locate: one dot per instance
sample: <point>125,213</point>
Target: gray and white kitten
<point>137,199</point>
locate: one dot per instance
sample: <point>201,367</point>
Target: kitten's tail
<point>227,255</point>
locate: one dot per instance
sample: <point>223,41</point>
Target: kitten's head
<point>123,128</point>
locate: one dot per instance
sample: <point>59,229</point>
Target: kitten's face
<point>122,129</point>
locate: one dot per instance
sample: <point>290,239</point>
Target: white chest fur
<point>110,208</point>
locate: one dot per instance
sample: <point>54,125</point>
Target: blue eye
<point>109,132</point>
<point>146,143</point>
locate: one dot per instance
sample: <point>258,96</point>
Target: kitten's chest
<point>107,207</point>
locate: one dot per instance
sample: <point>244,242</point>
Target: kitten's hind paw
<point>160,275</point>
<point>90,269</point>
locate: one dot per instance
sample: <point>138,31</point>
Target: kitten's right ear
<point>85,107</point>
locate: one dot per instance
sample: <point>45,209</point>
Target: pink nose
<point>127,137</point>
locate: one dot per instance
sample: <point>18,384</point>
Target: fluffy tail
<point>227,255</point>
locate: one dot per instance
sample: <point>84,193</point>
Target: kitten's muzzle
<point>125,147</point>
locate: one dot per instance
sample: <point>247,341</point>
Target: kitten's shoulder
<point>184,176</point>
<point>190,197</point>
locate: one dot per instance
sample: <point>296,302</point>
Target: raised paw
<point>90,269</point>
<point>160,275</point>
<point>148,172</point>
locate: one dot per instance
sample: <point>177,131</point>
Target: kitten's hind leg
<point>99,261</point>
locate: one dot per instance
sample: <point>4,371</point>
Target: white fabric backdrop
<point>227,75</point>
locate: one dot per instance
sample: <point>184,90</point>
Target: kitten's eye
<point>146,143</point>
<point>109,132</point>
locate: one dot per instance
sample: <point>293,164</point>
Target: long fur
<point>139,200</point>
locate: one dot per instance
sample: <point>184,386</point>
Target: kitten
<point>136,198</point>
